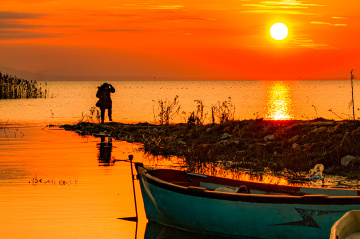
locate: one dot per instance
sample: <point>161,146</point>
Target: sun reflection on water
<point>279,103</point>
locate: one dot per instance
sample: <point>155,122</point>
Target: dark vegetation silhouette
<point>224,111</point>
<point>165,112</point>
<point>12,87</point>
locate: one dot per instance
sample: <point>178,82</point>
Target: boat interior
<point>212,183</point>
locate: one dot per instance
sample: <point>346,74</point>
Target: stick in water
<point>133,219</point>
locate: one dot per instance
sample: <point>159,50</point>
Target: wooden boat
<point>189,201</point>
<point>347,227</point>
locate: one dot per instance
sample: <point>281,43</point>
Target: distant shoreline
<point>47,77</point>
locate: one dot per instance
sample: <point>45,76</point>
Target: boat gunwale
<point>315,199</point>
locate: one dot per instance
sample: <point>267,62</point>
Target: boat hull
<point>253,216</point>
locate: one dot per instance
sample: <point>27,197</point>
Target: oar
<point>133,219</point>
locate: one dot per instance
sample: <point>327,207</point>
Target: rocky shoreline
<point>286,148</point>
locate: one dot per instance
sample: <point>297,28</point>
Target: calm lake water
<point>70,101</point>
<point>57,184</point>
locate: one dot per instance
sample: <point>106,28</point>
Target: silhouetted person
<point>105,102</point>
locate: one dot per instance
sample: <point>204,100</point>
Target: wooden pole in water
<point>133,184</point>
<point>134,219</point>
<point>352,91</point>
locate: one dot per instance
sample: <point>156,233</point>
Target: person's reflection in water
<point>105,148</point>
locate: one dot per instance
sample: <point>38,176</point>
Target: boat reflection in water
<point>158,231</point>
<point>279,102</point>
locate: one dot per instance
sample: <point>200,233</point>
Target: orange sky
<point>186,38</point>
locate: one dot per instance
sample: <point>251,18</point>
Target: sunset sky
<point>183,39</point>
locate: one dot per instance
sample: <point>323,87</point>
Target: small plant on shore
<point>342,118</point>
<point>166,111</point>
<point>306,117</point>
<point>224,111</point>
<point>315,111</point>
<point>198,116</point>
<point>90,117</point>
<point>257,116</point>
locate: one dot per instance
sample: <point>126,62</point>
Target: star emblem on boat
<point>308,218</point>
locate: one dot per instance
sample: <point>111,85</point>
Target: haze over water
<point>80,195</point>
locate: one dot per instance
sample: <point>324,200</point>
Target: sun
<point>279,31</point>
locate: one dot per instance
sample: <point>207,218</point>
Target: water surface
<point>135,101</point>
<point>77,197</point>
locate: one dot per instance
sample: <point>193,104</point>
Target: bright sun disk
<point>279,31</point>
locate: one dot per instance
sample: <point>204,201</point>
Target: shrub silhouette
<point>12,87</point>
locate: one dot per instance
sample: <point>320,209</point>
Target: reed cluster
<point>165,112</point>
<point>91,116</point>
<point>12,87</point>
